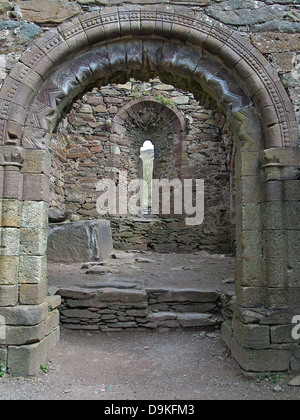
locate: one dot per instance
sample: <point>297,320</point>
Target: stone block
<point>275,271</point>
<point>274,42</point>
<point>80,313</point>
<point>3,356</point>
<point>52,321</point>
<point>35,214</point>
<point>196,320</point>
<point>159,317</point>
<point>49,11</point>
<point>33,294</point>
<point>12,187</point>
<point>188,295</point>
<point>36,187</point>
<point>226,331</point>
<point>248,217</point>
<point>76,293</point>
<point>53,301</point>
<point>251,296</point>
<point>80,241</point>
<point>250,272</point>
<point>248,190</point>
<point>10,213</point>
<point>10,241</point>
<point>267,360</point>
<point>26,360</point>
<point>122,295</point>
<point>37,162</point>
<point>282,334</point>
<point>251,336</point>
<point>53,338</point>
<point>33,269</point>
<point>33,241</point>
<point>9,269</point>
<point>25,315</point>
<point>8,295</point>
<point>249,244</point>
<point>23,335</point>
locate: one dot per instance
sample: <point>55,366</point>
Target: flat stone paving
<point>143,270</point>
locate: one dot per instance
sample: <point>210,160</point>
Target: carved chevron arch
<point>59,65</point>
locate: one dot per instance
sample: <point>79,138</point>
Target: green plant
<point>44,368</point>
<point>2,369</point>
<point>273,378</point>
<point>164,100</point>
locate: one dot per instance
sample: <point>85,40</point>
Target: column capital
<point>11,156</point>
<point>281,163</point>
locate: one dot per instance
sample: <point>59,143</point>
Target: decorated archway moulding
<point>205,49</point>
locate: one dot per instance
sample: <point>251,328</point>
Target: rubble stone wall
<point>83,154</point>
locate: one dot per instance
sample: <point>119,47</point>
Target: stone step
<point>168,295</point>
<point>184,320</point>
<point>182,300</point>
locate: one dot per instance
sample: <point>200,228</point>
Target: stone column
<point>260,336</point>
<point>29,324</point>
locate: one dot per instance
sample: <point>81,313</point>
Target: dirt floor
<point>166,365</point>
<point>146,269</point>
<point>181,365</point>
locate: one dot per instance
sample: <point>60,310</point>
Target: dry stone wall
<point>111,309</point>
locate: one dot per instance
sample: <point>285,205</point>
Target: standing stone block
<point>22,335</point>
<point>80,241</point>
<point>10,241</point>
<point>9,269</point>
<point>32,269</point>
<point>267,360</point>
<point>35,214</point>
<point>37,162</point>
<point>36,187</point>
<point>10,213</point>
<point>12,187</point>
<point>33,294</point>
<point>25,315</point>
<point>251,336</point>
<point>33,241</point>
<point>8,295</point>
<point>26,360</point>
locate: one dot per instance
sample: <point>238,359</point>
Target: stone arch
<point>201,37</point>
<point>171,122</point>
<point>202,55</point>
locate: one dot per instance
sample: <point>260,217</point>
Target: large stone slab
<point>48,11</point>
<point>188,295</point>
<point>88,240</point>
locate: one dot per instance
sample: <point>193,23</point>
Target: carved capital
<point>11,156</point>
<point>281,164</point>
